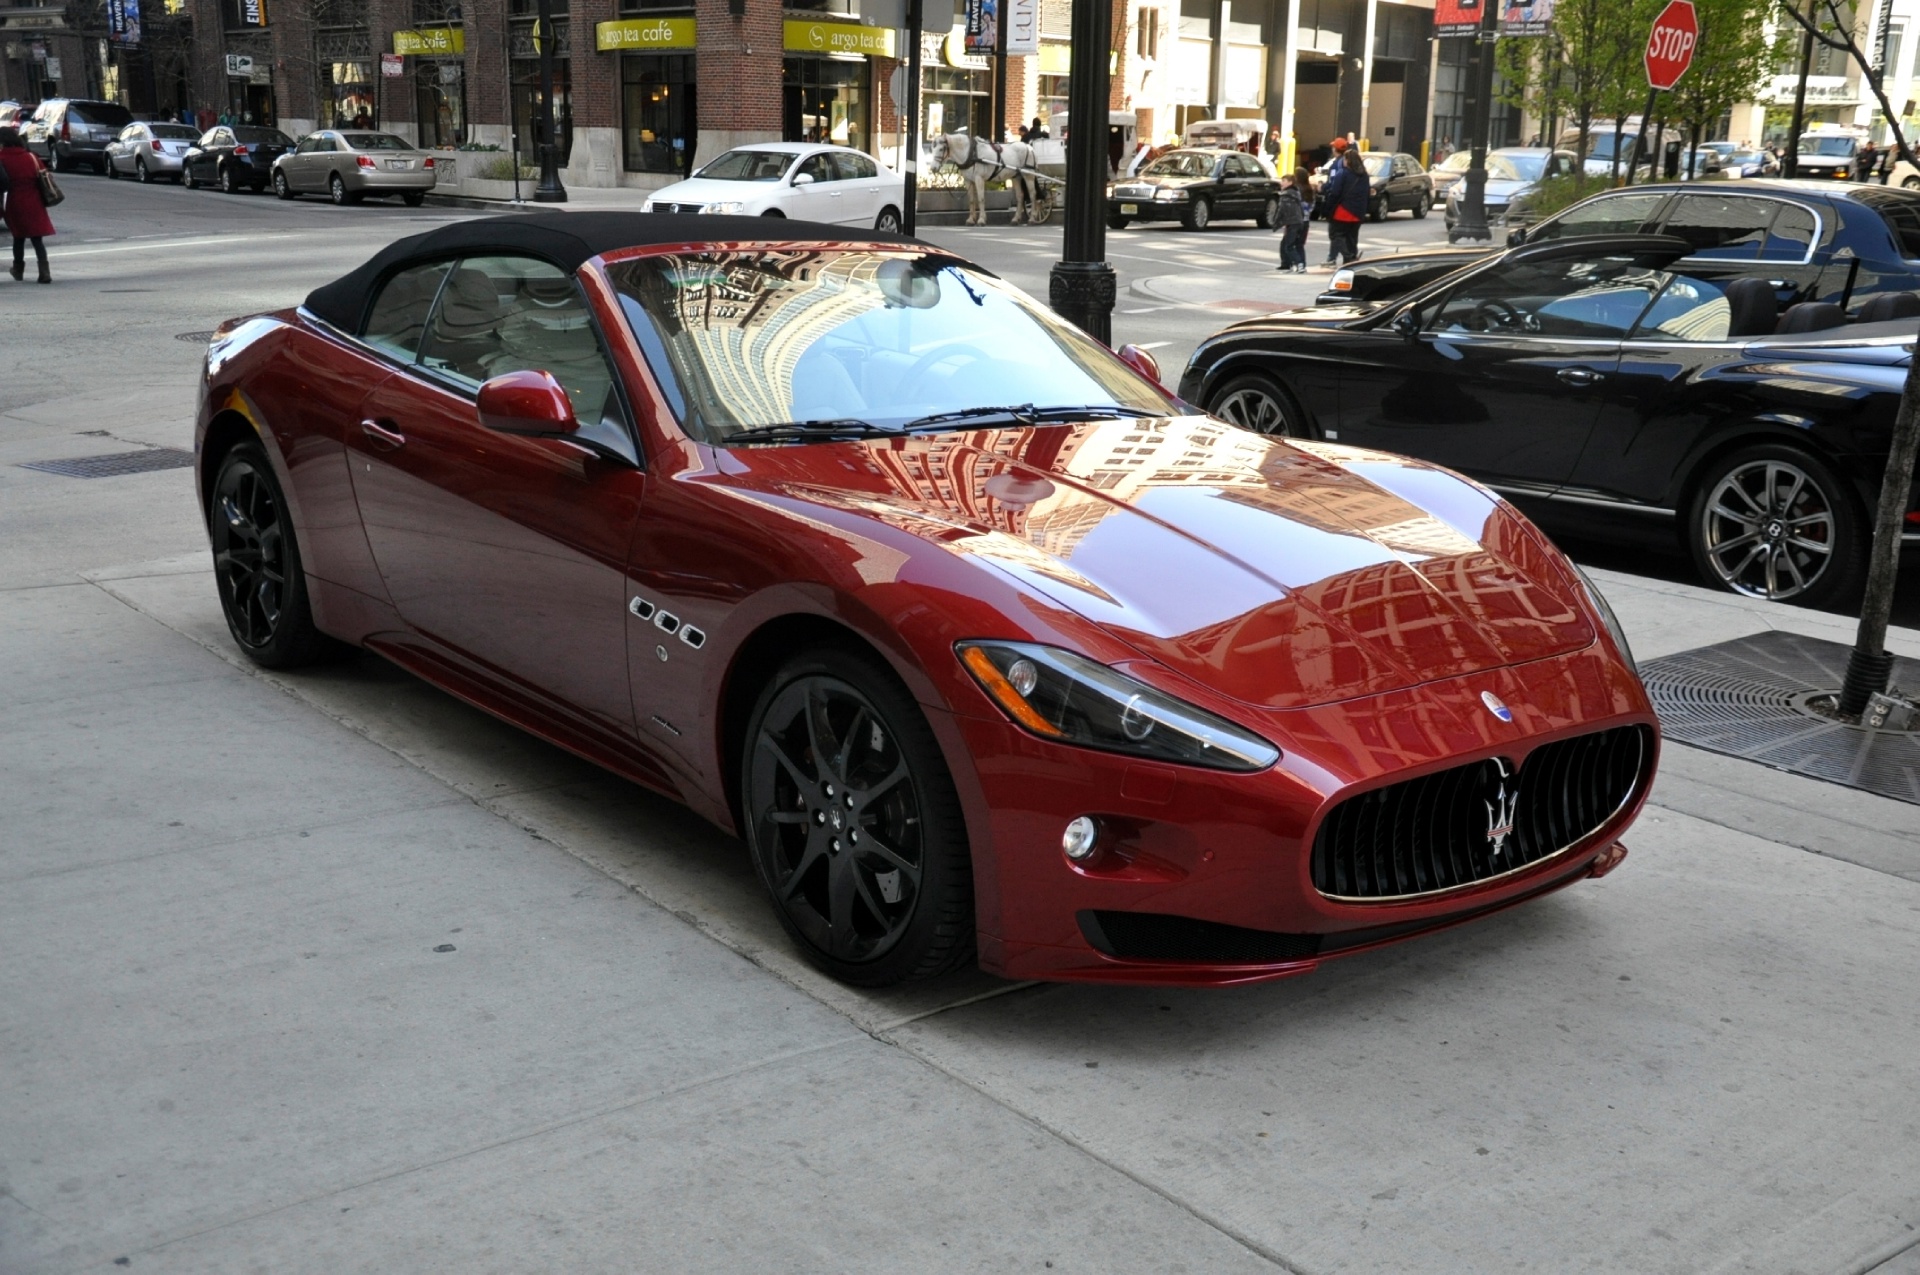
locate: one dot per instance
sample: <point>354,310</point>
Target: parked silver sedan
<point>348,165</point>
<point>150,151</point>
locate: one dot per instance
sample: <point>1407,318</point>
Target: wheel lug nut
<point>819,816</point>
<point>834,845</point>
<point>854,837</point>
<point>849,801</point>
<point>828,789</point>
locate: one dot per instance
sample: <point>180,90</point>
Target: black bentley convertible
<point>1611,393</point>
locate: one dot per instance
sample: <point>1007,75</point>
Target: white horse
<point>981,162</point>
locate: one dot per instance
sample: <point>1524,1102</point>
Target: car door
<point>1501,376</point>
<point>504,551</point>
<point>859,189</point>
<point>819,199</point>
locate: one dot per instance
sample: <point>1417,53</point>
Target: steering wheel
<point>910,379</point>
<point>1495,313</point>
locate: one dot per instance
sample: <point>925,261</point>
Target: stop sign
<point>1670,45</point>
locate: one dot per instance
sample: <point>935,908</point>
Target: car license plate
<point>399,163</point>
<point>1129,210</point>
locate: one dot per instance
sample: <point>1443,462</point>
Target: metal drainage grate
<point>1750,698</point>
<point>115,464</point>
<point>195,338</point>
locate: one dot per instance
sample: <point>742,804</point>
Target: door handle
<point>383,438</point>
<point>1578,375</point>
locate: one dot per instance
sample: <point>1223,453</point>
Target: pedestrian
<point>26,216</point>
<point>1348,193</point>
<point>1863,161</point>
<point>1293,222</point>
<point>1273,144</point>
<point>205,119</point>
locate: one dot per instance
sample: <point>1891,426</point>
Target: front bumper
<point>1227,856</point>
<point>1147,209</point>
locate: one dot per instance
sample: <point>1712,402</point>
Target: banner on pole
<point>123,21</point>
<point>983,26</point>
<point>1462,17</point>
<point>1023,27</point>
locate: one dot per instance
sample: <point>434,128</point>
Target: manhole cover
<point>197,338</point>
<point>1750,698</point>
<point>115,464</point>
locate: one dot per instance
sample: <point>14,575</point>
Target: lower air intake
<point>1156,936</point>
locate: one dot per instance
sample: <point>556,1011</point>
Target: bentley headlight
<point>1070,699</point>
<point>725,206</point>
<point>1607,617</point>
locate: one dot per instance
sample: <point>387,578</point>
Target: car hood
<point>1162,183</point>
<point>1281,574</point>
<point>707,190</point>
<point>1499,190</point>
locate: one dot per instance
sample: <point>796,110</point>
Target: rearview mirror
<point>1140,361</point>
<point>531,403</point>
<point>1515,238</point>
<point>802,179</point>
<point>1407,324</point>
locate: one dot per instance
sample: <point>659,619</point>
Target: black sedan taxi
<point>235,157</point>
<point>1613,392</point>
<point>1814,241</point>
<point>1196,188</point>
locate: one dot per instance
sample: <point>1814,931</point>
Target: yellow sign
<point>643,33</point>
<point>431,42</point>
<point>838,37</point>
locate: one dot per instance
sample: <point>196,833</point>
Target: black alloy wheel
<point>1198,214</point>
<point>888,222</point>
<point>256,565</point>
<point>853,823</point>
<point>1269,213</point>
<point>1257,404</point>
<point>1772,522</point>
<point>228,184</point>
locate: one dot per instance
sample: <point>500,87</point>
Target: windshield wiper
<point>1027,414</point>
<point>808,432</point>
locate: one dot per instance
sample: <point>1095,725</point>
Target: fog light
<point>1080,838</point>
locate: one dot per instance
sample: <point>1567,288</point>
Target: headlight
<point>1169,195</point>
<point>1608,618</point>
<point>1067,698</point>
<point>647,206</point>
<point>725,206</point>
<point>1342,280</point>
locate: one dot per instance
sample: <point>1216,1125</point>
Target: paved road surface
<point>327,972</point>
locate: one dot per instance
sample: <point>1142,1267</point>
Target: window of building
<point>436,13</point>
<point>525,72</point>
<point>1146,41</point>
<point>1451,88</point>
<point>347,95</point>
<point>826,100</point>
<point>957,101</point>
<point>440,102</point>
<point>657,118</point>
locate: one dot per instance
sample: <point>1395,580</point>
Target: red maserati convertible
<point>987,646</point>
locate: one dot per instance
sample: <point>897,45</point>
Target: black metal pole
<point>910,122</point>
<point>1472,226</point>
<point>549,191</point>
<point>1790,162</point>
<point>1000,76</point>
<point>1081,288</point>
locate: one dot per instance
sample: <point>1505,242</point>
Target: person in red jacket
<point>26,216</point>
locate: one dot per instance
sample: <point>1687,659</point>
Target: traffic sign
<point>1670,45</point>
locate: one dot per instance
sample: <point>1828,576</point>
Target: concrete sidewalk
<point>328,972</point>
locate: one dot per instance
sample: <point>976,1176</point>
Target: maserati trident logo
<point>1500,810</point>
<point>1496,706</point>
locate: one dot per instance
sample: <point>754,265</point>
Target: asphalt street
<point>327,972</point>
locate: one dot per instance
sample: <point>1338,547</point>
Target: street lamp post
<point>1081,288</point>
<point>549,191</point>
<point>1472,226</point>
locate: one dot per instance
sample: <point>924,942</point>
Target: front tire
<point>1911,183</point>
<point>113,173</point>
<point>888,222</point>
<point>256,565</point>
<point>282,188</point>
<point>1269,213</point>
<point>1116,222</point>
<point>188,180</point>
<point>1198,215</point>
<point>1421,209</point>
<point>853,823</point>
<point>1378,209</point>
<point>1773,522</point>
<point>1259,405</point>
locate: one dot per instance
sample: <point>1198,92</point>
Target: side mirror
<point>531,403</point>
<point>1407,324</point>
<point>1140,361</point>
<point>1515,238</point>
<point>802,179</point>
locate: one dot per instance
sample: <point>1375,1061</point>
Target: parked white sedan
<point>807,182</point>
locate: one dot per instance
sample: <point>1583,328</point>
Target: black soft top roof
<point>564,239</point>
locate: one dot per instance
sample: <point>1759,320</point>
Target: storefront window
<point>347,93</point>
<point>825,100</point>
<point>1052,98</point>
<point>440,102</point>
<point>526,106</point>
<point>956,101</point>
<point>657,117</point>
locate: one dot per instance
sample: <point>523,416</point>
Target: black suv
<point>68,131</point>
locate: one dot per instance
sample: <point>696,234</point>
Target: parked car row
<point>345,165</point>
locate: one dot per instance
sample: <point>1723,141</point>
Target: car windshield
<point>1458,162</point>
<point>173,130</point>
<point>262,136</point>
<point>1826,146</point>
<point>1516,168</point>
<point>749,166</point>
<point>1746,157</point>
<point>1901,211</point>
<point>1379,166</point>
<point>375,142</point>
<point>748,340</point>
<point>1180,164</point>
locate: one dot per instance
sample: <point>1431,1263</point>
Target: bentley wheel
<point>1197,216</point>
<point>1772,522</point>
<point>256,565</point>
<point>888,222</point>
<point>1257,404</point>
<point>853,823</point>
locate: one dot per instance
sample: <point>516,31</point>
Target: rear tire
<point>853,824</point>
<point>228,186</point>
<point>141,171</point>
<point>413,198</point>
<point>1911,183</point>
<point>888,222</point>
<point>256,565</point>
<point>1197,215</point>
<point>337,191</point>
<point>1259,405</point>
<point>1773,522</point>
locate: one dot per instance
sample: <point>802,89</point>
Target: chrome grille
<point>677,208</point>
<point>1438,832</point>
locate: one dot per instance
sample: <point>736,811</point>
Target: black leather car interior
<point>1812,316</point>
<point>1754,309</point>
<point>1890,305</point>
